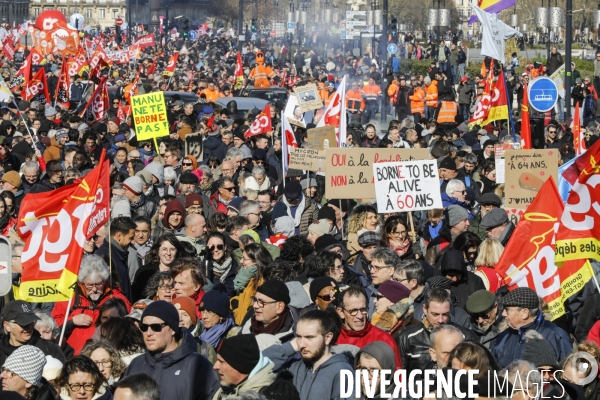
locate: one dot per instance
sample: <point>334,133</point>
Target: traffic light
<point>186,27</point>
<point>253,27</point>
<point>394,26</point>
<point>118,37</point>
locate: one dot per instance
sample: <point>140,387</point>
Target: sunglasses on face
<point>326,297</point>
<point>155,327</point>
<point>231,189</point>
<point>187,164</point>
<point>218,247</point>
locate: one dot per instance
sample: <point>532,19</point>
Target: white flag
<point>335,114</point>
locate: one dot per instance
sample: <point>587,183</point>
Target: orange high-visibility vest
<point>448,112</point>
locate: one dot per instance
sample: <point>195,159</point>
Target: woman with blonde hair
<point>363,218</point>
<point>490,251</point>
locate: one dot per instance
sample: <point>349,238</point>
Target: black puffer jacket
<point>47,347</point>
<point>45,185</point>
<point>181,374</point>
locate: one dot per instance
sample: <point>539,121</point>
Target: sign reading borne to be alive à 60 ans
<point>407,186</point>
<point>150,116</point>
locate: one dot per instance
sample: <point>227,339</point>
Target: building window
<point>64,11</point>
<point>102,13</point>
<point>76,11</point>
<point>88,13</point>
<point>115,13</point>
<point>36,12</point>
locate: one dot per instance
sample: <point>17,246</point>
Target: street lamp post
<point>568,44</point>
<point>276,15</point>
<point>384,38</point>
<point>240,23</point>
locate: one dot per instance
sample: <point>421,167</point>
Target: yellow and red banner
<point>529,260</point>
<point>493,105</point>
<point>54,226</point>
<point>239,72</point>
<point>172,64</point>
<point>578,236</point>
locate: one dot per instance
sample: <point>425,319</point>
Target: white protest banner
<point>407,186</point>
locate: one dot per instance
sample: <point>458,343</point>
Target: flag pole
<point>509,99</point>
<point>64,327</point>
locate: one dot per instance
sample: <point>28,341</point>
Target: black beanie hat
<point>448,163</point>
<point>165,311</point>
<point>276,290</point>
<point>327,213</point>
<point>323,242</point>
<point>216,300</point>
<point>241,352</point>
<point>318,284</point>
<point>282,388</point>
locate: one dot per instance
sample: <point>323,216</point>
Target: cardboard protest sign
<point>307,159</point>
<point>316,137</point>
<point>526,172</point>
<point>407,186</point>
<point>293,113</point>
<point>150,115</point>
<point>350,170</point>
<point>308,97</point>
<point>193,145</point>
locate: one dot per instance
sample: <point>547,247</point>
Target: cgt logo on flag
<point>54,227</point>
<point>262,123</point>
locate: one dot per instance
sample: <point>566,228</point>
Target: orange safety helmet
<point>260,58</point>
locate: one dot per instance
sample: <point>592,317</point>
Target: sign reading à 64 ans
<point>150,116</point>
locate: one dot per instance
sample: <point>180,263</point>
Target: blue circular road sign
<point>192,35</point>
<point>543,94</point>
<point>392,48</point>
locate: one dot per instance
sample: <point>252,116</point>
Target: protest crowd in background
<point>168,241</point>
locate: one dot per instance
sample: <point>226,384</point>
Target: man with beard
<point>317,373</point>
<point>486,317</point>
<point>91,292</point>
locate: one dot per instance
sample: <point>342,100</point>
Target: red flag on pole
<point>261,124</point>
<point>239,72</point>
<point>172,64</point>
<point>37,88</point>
<point>54,226</point>
<point>63,86</point>
<point>525,123</point>
<point>98,103</point>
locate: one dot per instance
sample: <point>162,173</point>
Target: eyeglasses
<point>261,303</point>
<point>551,131</point>
<point>76,387</point>
<point>57,171</point>
<point>378,268</point>
<point>401,233</point>
<point>187,164</point>
<point>460,191</point>
<point>355,311</point>
<point>106,363</point>
<point>396,279</point>
<point>166,286</point>
<point>8,372</point>
<point>154,327</point>
<point>93,285</point>
<point>485,315</point>
<point>230,189</point>
<point>259,162</point>
<point>218,247</point>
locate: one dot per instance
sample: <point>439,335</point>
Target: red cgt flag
<point>54,226</point>
<point>171,66</point>
<point>528,259</point>
<point>98,103</point>
<point>63,86</point>
<point>37,88</point>
<point>262,123</point>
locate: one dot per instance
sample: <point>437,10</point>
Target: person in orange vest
<point>261,74</point>
<point>372,95</point>
<point>431,97</point>
<point>355,104</point>
<point>212,93</point>
<point>417,101</point>
<point>328,93</point>
<point>447,113</point>
<point>393,95</point>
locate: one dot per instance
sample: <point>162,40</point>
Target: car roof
<point>243,103</point>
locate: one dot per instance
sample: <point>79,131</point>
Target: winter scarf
<point>299,211</point>
<point>243,277</point>
<point>214,334</point>
<point>401,248</point>
<point>222,269</point>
